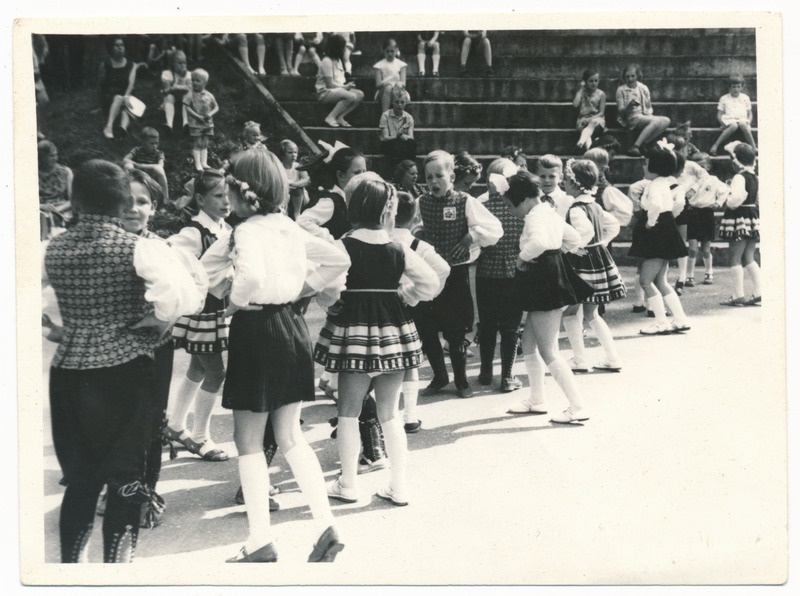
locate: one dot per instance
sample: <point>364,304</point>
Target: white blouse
<point>419,282</point>
<point>583,225</point>
<point>189,238</point>
<point>484,228</point>
<point>658,198</point>
<point>428,254</point>
<point>271,261</point>
<point>738,191</point>
<point>544,230</point>
<point>313,218</point>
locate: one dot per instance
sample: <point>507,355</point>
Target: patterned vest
<point>444,220</point>
<point>90,267</point>
<point>499,260</point>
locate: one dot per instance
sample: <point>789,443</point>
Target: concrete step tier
<point>578,43</point>
<point>488,141</point>
<point>433,114</point>
<point>531,89</point>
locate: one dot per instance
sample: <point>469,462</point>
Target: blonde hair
<point>442,157</point>
<point>549,161</point>
<point>264,175</point>
<point>202,73</point>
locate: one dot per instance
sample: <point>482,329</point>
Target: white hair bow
<point>664,144</point>
<point>499,183</point>
<point>331,149</point>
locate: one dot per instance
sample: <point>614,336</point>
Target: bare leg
<point>726,134</point>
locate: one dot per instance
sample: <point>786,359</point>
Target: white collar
<point>205,220</point>
<point>371,236</point>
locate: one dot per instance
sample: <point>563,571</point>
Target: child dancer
<point>549,169</point>
<point>734,112</point>
<point>595,266</point>
<point>407,217</point>
<point>740,226</point>
<point>201,107</point>
<point>467,171</point>
<point>710,193</point>
<point>389,72</point>
<point>635,112</point>
<point>270,367</point>
<point>591,104</point>
<point>203,336</point>
<point>371,338</point>
<point>457,225</point>
<point>494,283</point>
<point>298,179</point>
<point>149,159</point>
<point>428,40</point>
<point>544,284</point>
<point>656,240</point>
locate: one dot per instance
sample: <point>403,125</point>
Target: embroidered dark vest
<point>444,220</point>
<point>99,294</point>
<point>338,224</point>
<point>594,212</point>
<point>499,261</point>
<point>751,186</point>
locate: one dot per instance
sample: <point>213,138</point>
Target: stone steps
<point>445,114</point>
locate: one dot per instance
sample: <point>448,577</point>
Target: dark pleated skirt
<point>549,283</point>
<point>662,241</point>
<point>270,361</point>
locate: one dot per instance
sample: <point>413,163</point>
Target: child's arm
<point>601,108</point>
<point>214,107</point>
<point>581,223</point>
<point>576,101</point>
<point>419,281</point>
<point>435,262</point>
<point>571,239</point>
<point>610,228</point>
<point>409,134</point>
<point>384,126</point>
<point>379,82</point>
<point>128,162</point>
<point>749,112</point>
<point>312,219</point>
<point>484,228</point>
<point>187,102</point>
<point>303,179</point>
<point>403,76</point>
<point>738,192</point>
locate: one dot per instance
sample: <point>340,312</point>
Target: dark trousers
<point>498,311</point>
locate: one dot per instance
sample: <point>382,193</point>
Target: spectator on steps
<point>591,104</point>
<point>284,47</point>
<point>242,43</point>
<point>482,43</point>
<point>175,83</point>
<point>428,40</point>
<point>117,80</point>
<point>331,86</point>
<point>397,130</point>
<point>389,72</point>
<point>734,112</point>
<point>307,43</point>
<point>635,111</point>
<point>149,159</point>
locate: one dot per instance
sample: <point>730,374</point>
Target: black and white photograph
<point>500,302</point>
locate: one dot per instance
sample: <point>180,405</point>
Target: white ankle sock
<point>397,449</point>
<point>254,476</point>
<point>308,473</point>
<point>673,302</point>
<point>534,366</point>
<point>203,406</point>
<point>738,281</point>
<point>562,374</point>
<point>573,325</point>
<point>603,334</point>
<point>754,271</point>
<point>410,390</point>
<point>348,441</point>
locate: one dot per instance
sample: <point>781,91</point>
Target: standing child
<point>591,104</point>
<point>594,265</point>
<point>457,225</point>
<point>740,226</point>
<point>389,71</point>
<point>149,159</point>
<point>635,111</point>
<point>397,130</point>
<point>203,336</point>
<point>710,193</point>
<point>544,284</point>
<point>407,217</point>
<point>428,40</point>
<point>201,107</point>
<point>656,240</point>
<point>298,179</point>
<point>371,338</point>
<point>734,112</point>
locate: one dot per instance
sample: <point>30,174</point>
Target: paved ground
<point>679,477</point>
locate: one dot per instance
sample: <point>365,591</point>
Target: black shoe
<point>679,288</point>
<point>412,427</point>
<point>326,548</point>
<point>485,379</point>
<point>638,309</point>
<point>464,390</point>
<point>435,386</point>
<point>510,384</point>
<point>265,554</point>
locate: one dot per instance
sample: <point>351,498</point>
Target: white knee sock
<point>204,157</point>
<point>348,441</point>
<point>198,162</point>
<point>673,302</point>
<point>656,304</point>
<point>169,113</point>
<point>410,390</point>
<point>254,476</point>
<point>754,271</point>
<point>709,263</point>
<point>573,325</point>
<point>690,265</point>
<point>535,369</point>
<point>639,292</point>
<point>435,59</point>
<point>182,402</point>
<point>421,62</point>
<point>203,406</point>
<point>308,473</point>
<point>682,264</point>
<point>603,334</point>
<point>397,450</point>
<point>562,374</point>
<point>738,281</point>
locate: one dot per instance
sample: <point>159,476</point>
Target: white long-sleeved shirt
<point>710,192</point>
<point>428,254</point>
<point>419,282</point>
<point>484,228</point>
<point>272,258</point>
<point>658,198</point>
<point>189,238</point>
<point>313,218</point>
<point>561,200</point>
<point>544,230</point>
<point>738,191</point>
<point>580,221</point>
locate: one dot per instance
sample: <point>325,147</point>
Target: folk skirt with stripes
<point>598,269</point>
<point>741,223</point>
<point>369,332</point>
<point>270,362</point>
<point>204,333</point>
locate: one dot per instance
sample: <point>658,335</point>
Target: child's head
<point>580,176</point>
<point>516,155</point>
<point>599,156</point>
<point>146,194</point>
<point>179,62</point>
<point>549,170</point>
<point>346,163</point>
<point>335,47</point>
<point>211,194</point>
<point>251,133</point>
<point>591,78</point>
<point>399,97</point>
<point>390,49</point>
<point>523,193</point>
<point>501,166</point>
<point>257,183</point>
<point>744,154</point>
<point>661,160</point>
<point>116,46</point>
<point>372,204</point>
<point>289,150</point>
<point>439,172</point>
<point>150,138</point>
<point>356,180</point>
<point>631,74</point>
<point>100,187</point>
<point>406,210</point>
<point>48,154</point>
<point>406,174</point>
<point>199,79</point>
<point>735,84</point>
<point>467,170</point>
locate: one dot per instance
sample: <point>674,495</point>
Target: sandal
<point>733,301</point>
<point>208,450</point>
<point>182,437</point>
